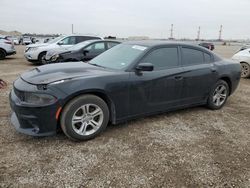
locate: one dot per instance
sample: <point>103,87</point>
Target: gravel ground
<point>194,147</point>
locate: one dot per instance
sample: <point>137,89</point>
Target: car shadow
<point>111,130</point>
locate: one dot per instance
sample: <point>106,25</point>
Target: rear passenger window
<point>207,58</point>
<point>191,56</point>
<point>163,58</point>
<point>111,44</point>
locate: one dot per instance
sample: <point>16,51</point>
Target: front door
<point>93,50</point>
<point>160,89</point>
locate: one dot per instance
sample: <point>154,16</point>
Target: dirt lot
<point>188,148</point>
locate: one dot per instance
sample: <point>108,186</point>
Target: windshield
<point>79,45</point>
<point>119,57</point>
<point>55,40</point>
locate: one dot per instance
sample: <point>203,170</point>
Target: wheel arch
<point>99,93</point>
<point>228,81</point>
<point>41,53</point>
<point>247,62</point>
<point>2,49</point>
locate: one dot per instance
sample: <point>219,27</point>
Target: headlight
<point>38,98</point>
<point>33,49</point>
<point>54,57</point>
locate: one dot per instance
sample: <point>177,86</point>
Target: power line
<point>172,32</point>
<point>220,33</point>
<point>198,33</point>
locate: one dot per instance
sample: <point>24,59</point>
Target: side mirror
<point>85,52</point>
<point>145,67</point>
<point>60,43</point>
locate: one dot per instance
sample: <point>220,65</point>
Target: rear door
<point>199,74</point>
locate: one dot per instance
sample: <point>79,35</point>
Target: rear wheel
<point>245,70</point>
<point>2,54</point>
<point>41,58</point>
<point>218,95</point>
<point>84,117</point>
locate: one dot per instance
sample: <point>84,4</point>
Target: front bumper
<point>31,56</point>
<point>34,121</point>
<point>11,52</point>
<point>32,130</point>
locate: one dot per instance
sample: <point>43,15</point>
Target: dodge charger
<point>131,80</point>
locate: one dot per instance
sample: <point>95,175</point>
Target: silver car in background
<point>36,53</point>
<point>6,47</point>
<point>243,57</point>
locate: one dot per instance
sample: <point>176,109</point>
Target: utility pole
<point>198,33</point>
<point>72,28</point>
<point>172,32</point>
<point>220,33</point>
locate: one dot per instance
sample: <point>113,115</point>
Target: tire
<point>245,70</point>
<point>2,54</point>
<point>78,125</point>
<point>41,58</point>
<point>218,95</point>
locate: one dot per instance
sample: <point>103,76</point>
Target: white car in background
<point>6,47</point>
<point>26,41</point>
<point>15,41</point>
<point>243,57</point>
<point>36,53</point>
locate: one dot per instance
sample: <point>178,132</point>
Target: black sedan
<point>131,80</point>
<point>83,51</point>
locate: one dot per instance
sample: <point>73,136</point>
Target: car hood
<point>55,72</point>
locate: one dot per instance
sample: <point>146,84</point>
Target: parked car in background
<point>6,47</point>
<point>36,53</point>
<point>243,57</point>
<point>130,80</point>
<point>244,47</point>
<point>26,40</point>
<point>15,40</point>
<point>207,45</point>
<point>83,51</point>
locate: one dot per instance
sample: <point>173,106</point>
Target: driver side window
<point>97,47</point>
<point>163,58</point>
<point>69,41</point>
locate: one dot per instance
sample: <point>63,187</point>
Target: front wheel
<point>41,58</point>
<point>2,54</point>
<point>245,70</point>
<point>84,117</point>
<point>218,95</point>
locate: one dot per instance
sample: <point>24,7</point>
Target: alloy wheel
<point>87,119</point>
<point>219,95</point>
<point>43,59</point>
<point>245,70</point>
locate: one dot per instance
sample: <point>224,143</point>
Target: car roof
<point>152,43</point>
<point>81,35</point>
<point>155,43</point>
<point>99,40</point>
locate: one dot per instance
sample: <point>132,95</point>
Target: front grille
<point>19,94</point>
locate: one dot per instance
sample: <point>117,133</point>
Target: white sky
<point>125,18</point>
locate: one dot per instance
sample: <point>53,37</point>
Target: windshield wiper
<point>97,65</point>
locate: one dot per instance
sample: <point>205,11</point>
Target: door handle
<point>178,77</point>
